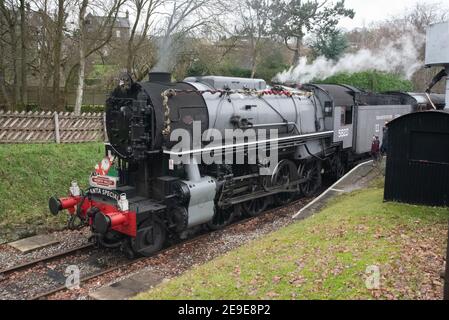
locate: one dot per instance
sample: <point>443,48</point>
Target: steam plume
<point>166,55</point>
<point>399,56</point>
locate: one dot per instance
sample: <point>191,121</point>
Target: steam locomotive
<point>199,152</point>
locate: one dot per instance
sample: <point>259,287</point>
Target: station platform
<point>356,179</point>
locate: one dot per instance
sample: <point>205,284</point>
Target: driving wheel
<point>311,172</point>
<point>282,178</point>
<point>337,167</point>
<point>222,218</point>
<point>255,207</point>
<point>150,237</point>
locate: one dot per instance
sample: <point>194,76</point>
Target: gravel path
<point>68,239</point>
<point>49,275</point>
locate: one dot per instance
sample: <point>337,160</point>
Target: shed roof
<point>423,114</point>
<point>421,98</point>
<point>343,95</point>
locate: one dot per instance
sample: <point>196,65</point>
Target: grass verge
<point>327,256</point>
<point>30,174</point>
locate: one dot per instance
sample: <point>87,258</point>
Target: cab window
<point>346,116</point>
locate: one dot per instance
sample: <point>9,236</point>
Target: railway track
<point>44,265</point>
<point>87,278</point>
<point>32,263</point>
<point>129,263</point>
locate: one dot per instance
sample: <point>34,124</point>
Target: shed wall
<point>418,159</point>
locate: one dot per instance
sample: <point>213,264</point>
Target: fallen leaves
<point>272,294</point>
<point>276,279</point>
<point>297,281</point>
<point>300,264</point>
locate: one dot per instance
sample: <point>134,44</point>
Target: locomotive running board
<point>230,148</point>
<point>255,196</point>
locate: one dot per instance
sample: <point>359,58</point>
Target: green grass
<point>30,174</point>
<point>327,255</point>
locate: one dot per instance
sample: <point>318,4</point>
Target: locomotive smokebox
<point>164,77</point>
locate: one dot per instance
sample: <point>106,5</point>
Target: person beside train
<point>375,150</point>
<point>384,147</point>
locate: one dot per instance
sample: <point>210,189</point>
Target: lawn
<point>30,174</point>
<point>330,256</point>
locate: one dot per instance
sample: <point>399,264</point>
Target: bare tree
<point>101,38</point>
<point>144,9</point>
<point>412,24</point>
<point>10,16</point>
<point>82,56</point>
<point>3,32</point>
<point>57,50</point>
<point>419,18</point>
<point>43,41</point>
<point>23,52</point>
<point>254,16</point>
<point>184,17</point>
<point>424,14</point>
<point>3,85</point>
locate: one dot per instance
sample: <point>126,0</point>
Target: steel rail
<point>197,238</point>
<point>32,263</point>
<point>160,253</point>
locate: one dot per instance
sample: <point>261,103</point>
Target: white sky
<point>368,11</point>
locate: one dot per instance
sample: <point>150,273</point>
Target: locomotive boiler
<point>197,153</point>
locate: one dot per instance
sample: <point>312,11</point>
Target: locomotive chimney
<point>164,77</point>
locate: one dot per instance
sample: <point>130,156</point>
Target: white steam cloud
<point>166,55</point>
<point>399,56</point>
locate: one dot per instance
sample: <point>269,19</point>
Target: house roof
<point>120,22</point>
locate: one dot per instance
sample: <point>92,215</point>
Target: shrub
<point>371,80</point>
<point>87,108</point>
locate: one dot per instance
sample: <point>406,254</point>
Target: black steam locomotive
<point>197,153</point>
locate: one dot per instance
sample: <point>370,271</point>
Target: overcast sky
<point>368,11</point>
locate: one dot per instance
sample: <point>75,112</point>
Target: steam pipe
<point>446,108</point>
<point>442,74</point>
<point>192,170</point>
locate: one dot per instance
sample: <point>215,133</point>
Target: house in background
<point>120,29</point>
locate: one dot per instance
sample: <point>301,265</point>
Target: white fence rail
<point>51,127</point>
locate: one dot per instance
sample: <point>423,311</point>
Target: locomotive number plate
<point>105,182</point>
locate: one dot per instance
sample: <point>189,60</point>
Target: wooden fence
<point>51,127</point>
